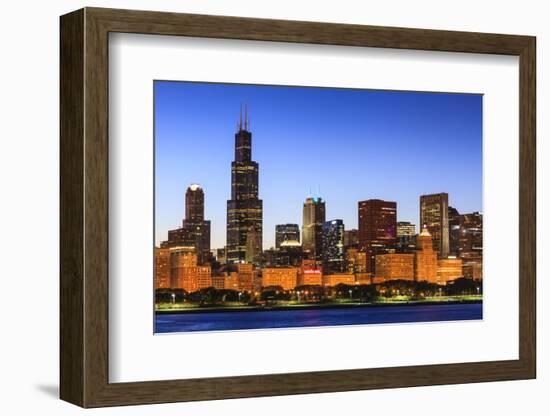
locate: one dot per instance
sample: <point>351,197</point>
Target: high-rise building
<point>351,238</point>
<point>194,204</point>
<point>470,241</point>
<point>289,253</point>
<point>220,255</point>
<point>377,223</point>
<point>406,236</point>
<point>454,231</point>
<point>285,232</point>
<point>334,255</point>
<point>244,209</point>
<point>405,229</point>
<point>425,259</point>
<point>377,228</point>
<point>434,213</point>
<point>253,246</point>
<point>194,231</point>
<point>313,219</point>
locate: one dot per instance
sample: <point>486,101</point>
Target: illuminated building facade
<point>244,209</point>
<point>395,266</point>
<point>448,269</point>
<point>232,281</point>
<point>434,213</point>
<point>338,278</point>
<point>334,255</point>
<point>377,227</point>
<point>162,268</point>
<point>185,273</point>
<point>286,232</point>
<point>406,236</point>
<point>313,218</point>
<point>472,267</point>
<point>311,273</point>
<point>194,231</point>
<point>425,260</point>
<point>286,277</point>
<point>218,282</point>
<point>245,277</point>
<point>356,260</point>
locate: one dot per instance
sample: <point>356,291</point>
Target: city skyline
<point>369,164</point>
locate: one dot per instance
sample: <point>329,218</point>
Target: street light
<point>350,293</point>
<point>173,298</point>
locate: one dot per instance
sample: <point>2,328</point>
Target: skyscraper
<point>351,238</point>
<point>334,259</point>
<point>253,246</point>
<point>377,223</point>
<point>313,219</point>
<point>406,236</point>
<point>470,243</point>
<point>434,213</point>
<point>244,209</point>
<point>377,227</point>
<point>286,232</point>
<point>454,230</point>
<point>194,204</point>
<point>194,232</point>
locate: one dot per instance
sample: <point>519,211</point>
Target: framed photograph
<point>255,207</point>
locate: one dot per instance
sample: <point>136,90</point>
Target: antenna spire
<point>246,117</point>
<point>241,118</point>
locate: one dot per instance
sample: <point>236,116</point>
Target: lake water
<point>225,321</point>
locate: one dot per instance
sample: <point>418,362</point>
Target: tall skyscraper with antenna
<point>244,209</point>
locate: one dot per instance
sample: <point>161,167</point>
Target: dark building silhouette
<point>351,238</point>
<point>244,209</point>
<point>334,258</point>
<point>434,213</point>
<point>286,232</point>
<point>253,246</point>
<point>289,254</point>
<point>470,242</point>
<point>454,230</point>
<point>194,233</point>
<point>313,218</point>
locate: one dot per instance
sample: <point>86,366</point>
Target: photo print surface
<point>289,206</point>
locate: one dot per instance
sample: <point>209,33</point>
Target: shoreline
<point>199,310</point>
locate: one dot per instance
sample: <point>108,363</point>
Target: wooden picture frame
<point>84,207</point>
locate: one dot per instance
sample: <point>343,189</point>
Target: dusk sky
<point>340,144</point>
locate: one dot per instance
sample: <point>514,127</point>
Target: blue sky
<point>341,144</point>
